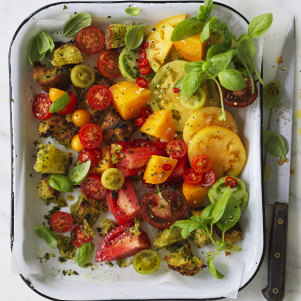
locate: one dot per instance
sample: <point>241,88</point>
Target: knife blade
<point>276,182</point>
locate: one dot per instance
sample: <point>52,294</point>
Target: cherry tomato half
<point>176,149</point>
<point>107,64</point>
<point>90,40</point>
<point>92,188</point>
<point>209,178</point>
<point>142,82</point>
<point>79,236</point>
<point>80,117</point>
<point>191,177</point>
<point>76,144</point>
<point>201,163</point>
<point>99,97</point>
<point>90,136</point>
<point>61,222</point>
<point>41,105</point>
<point>70,105</point>
<point>145,70</point>
<point>90,154</point>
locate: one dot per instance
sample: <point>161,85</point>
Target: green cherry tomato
<point>82,76</point>
<point>112,179</point>
<point>146,261</point>
<point>195,102</point>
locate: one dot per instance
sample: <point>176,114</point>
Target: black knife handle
<point>277,254</point>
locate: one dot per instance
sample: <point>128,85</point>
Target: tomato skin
<point>191,177</point>
<point>90,40</point>
<point>90,154</point>
<point>176,149</point>
<point>92,188</point>
<point>201,163</point>
<point>41,105</point>
<point>121,243</point>
<point>90,136</point>
<point>70,105</point>
<point>76,144</point>
<point>209,178</point>
<point>99,97</point>
<point>107,64</point>
<point>79,236</point>
<point>61,222</point>
<point>80,117</point>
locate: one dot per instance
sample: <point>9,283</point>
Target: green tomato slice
<point>82,76</point>
<point>112,179</point>
<point>146,261</point>
<point>195,102</point>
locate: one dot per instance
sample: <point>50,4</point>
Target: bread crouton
<point>67,54</point>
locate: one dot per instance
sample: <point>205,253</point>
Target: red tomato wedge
<point>121,243</point>
<point>69,108</point>
<point>99,97</point>
<point>90,40</point>
<point>124,204</point>
<point>41,105</point>
<point>176,149</point>
<point>201,163</point>
<point>162,211</point>
<point>90,154</point>
<point>90,136</point>
<point>61,222</point>
<point>92,188</point>
<point>107,64</point>
<point>79,237</point>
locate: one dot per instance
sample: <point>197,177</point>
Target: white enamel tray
<point>104,282</point>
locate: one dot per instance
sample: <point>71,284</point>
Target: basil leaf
<point>220,206</point>
<point>205,10</point>
<point>208,29</point>
<point>134,37</point>
<point>78,173</point>
<point>76,23</point>
<point>187,226</point>
<point>60,103</point>
<point>34,55</point>
<point>51,45</point>
<point>274,144</point>
<point>60,183</point>
<point>231,215</point>
<point>133,11</point>
<point>43,42</point>
<point>272,93</point>
<point>207,212</point>
<point>231,79</point>
<point>191,82</point>
<point>46,234</point>
<point>185,29</point>
<point>85,254</point>
<point>246,52</point>
<point>214,272</point>
<point>216,49</point>
<point>194,66</point>
<point>227,34</point>
<point>219,62</point>
<point>259,25</point>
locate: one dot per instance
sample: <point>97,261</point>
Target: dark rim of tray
<point>28,281</point>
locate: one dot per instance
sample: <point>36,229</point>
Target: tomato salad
<point>152,116</point>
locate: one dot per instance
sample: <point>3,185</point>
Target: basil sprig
<point>272,93</point>
<point>259,25</point>
<point>274,144</point>
<point>78,173</point>
<point>85,254</point>
<point>134,37</point>
<point>60,103</point>
<point>76,23</point>
<point>46,234</point>
<point>60,183</point>
<point>133,11</point>
<point>41,45</point>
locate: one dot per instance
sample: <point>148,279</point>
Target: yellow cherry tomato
<point>76,144</point>
<point>80,117</point>
<point>54,94</point>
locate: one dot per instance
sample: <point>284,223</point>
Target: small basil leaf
<point>134,37</point>
<point>259,25</point>
<point>220,62</point>
<point>274,144</point>
<point>205,10</point>
<point>214,272</point>
<point>191,82</point>
<point>185,29</point>
<point>133,11</point>
<point>187,226</point>
<point>206,213</point>
<point>208,29</point>
<point>227,34</point>
<point>85,254</point>
<point>78,173</point>
<point>194,66</point>
<point>60,183</point>
<point>231,79</point>
<point>208,5</point>
<point>216,49</point>
<point>246,51</point>
<point>220,206</point>
<point>46,234</point>
<point>43,42</point>
<point>60,103</point>
<point>272,93</point>
<point>51,45</point>
<point>34,55</point>
<point>76,23</point>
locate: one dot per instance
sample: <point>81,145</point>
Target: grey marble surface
<point>12,13</point>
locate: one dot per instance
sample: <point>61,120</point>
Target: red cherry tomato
<point>99,97</point>
<point>231,182</point>
<point>41,105</point>
<point>79,236</point>
<point>61,222</point>
<point>141,53</point>
<point>143,62</point>
<point>90,154</point>
<point>176,149</point>
<point>145,112</point>
<point>92,188</point>
<point>90,40</point>
<point>107,64</point>
<point>191,177</point>
<point>144,45</point>
<point>142,82</point>
<point>160,144</point>
<point>201,163</point>
<point>90,136</point>
<point>139,121</point>
<point>145,70</point>
<point>69,108</point>
<point>209,178</point>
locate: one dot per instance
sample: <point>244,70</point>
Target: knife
<point>276,186</point>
